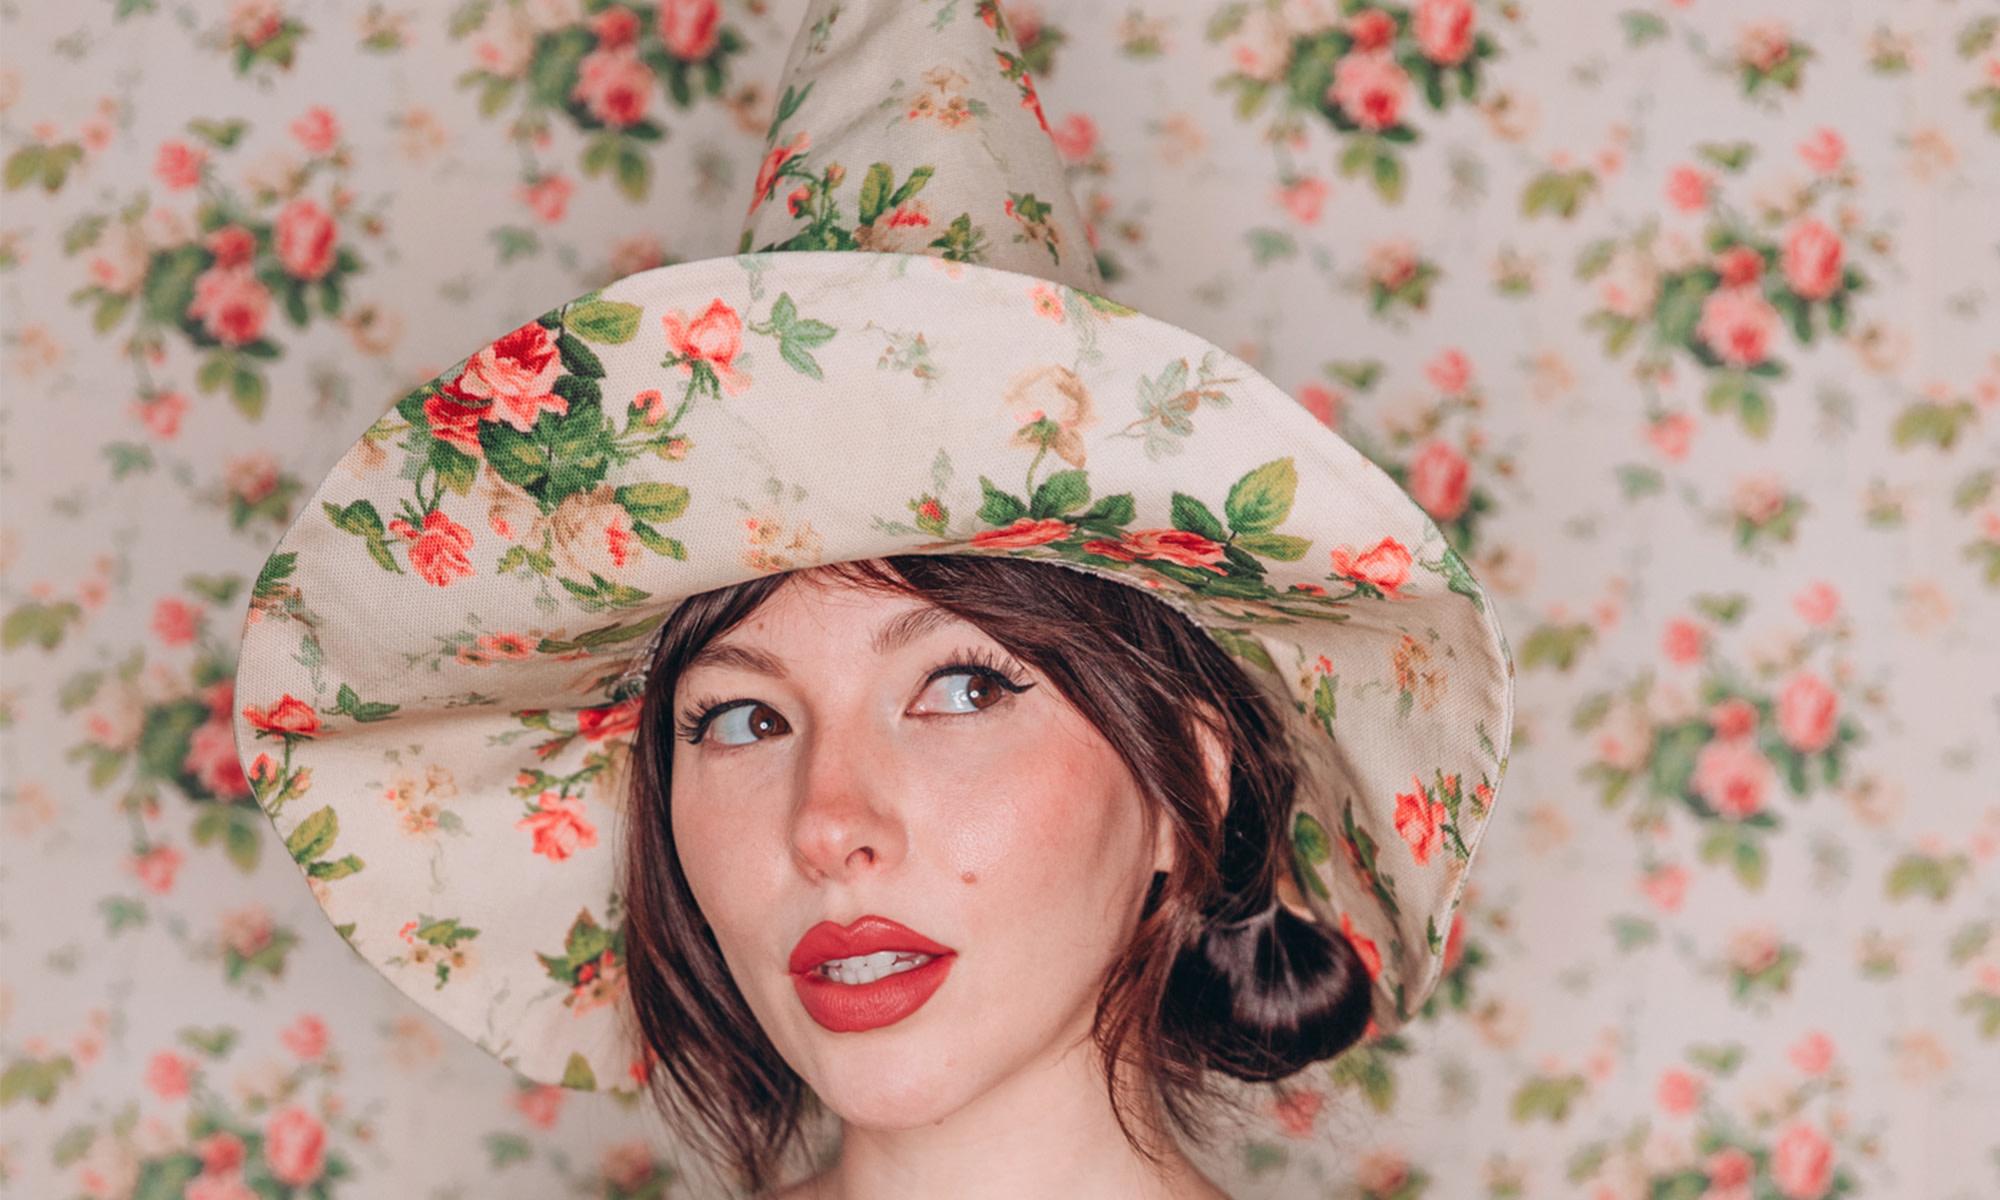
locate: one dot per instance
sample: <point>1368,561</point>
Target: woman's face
<point>997,823</point>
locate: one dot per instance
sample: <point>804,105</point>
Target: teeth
<point>867,968</point>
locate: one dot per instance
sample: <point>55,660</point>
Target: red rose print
<point>439,551</point>
<point>1812,259</point>
<point>1439,480</point>
<point>1444,29</point>
<point>1386,566</point>
<point>690,28</point>
<point>715,337</point>
<point>512,380</point>
<point>305,237</point>
<point>1027,531</point>
<point>559,826</point>
<point>1420,822</point>
<point>290,715</point>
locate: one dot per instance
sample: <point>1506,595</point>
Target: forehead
<point>887,621</point>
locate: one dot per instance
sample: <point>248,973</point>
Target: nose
<point>846,821</point>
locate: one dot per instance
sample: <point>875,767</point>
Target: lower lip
<point>851,1008</point>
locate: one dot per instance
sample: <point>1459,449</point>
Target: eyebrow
<point>894,633</point>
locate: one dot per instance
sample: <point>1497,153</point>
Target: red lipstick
<point>851,1008</point>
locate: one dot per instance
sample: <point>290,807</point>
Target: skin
<point>1007,829</point>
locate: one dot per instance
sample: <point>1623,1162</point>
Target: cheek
<point>1042,844</point>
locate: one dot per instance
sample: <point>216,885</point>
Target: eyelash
<point>694,720</point>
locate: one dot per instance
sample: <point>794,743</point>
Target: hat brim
<point>445,637</point>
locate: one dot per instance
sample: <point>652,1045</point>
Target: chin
<point>891,1087</point>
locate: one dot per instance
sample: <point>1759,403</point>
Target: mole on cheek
<point>969,877</point>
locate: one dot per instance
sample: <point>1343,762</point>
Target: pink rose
<point>211,759</point>
<point>220,1153</point>
<point>289,715</point>
<point>1683,641</point>
<point>305,237</point>
<point>175,621</point>
<point>1322,403</point>
<point>513,379</point>
<point>614,85</point>
<point>318,130</point>
<point>1444,29</point>
<point>1802,1162</point>
<point>1733,718</point>
<point>440,552</point>
<point>1450,372</point>
<point>178,165</point>
<point>155,868</point>
<point>1733,776</point>
<point>232,245</point>
<point>295,1146</point>
<point>1671,434</point>
<point>1297,1112</point>
<point>1386,565</point>
<point>774,160</point>
<point>1730,1167</point>
<point>614,27</point>
<point>1762,45</point>
<point>690,28</point>
<point>1807,710</point>
<point>1371,29</point>
<point>1440,480</point>
<point>548,197</point>
<point>559,826</point>
<point>1678,1092</point>
<point>715,337</point>
<point>231,304</point>
<point>169,1076</point>
<point>1454,942</point>
<point>1171,545</point>
<point>1813,1053</point>
<point>1076,137</point>
<point>1370,87</point>
<point>1818,603</point>
<point>1687,189</point>
<point>1812,259</point>
<point>1739,265</point>
<point>1303,198</point>
<point>1027,531</point>
<point>1420,822</point>
<point>254,22</point>
<point>305,1037</point>
<point>1737,323</point>
<point>1824,151</point>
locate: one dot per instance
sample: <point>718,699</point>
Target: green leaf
<point>999,508</point>
<point>1192,516</point>
<point>1280,546</point>
<point>606,322</point>
<point>652,502</point>
<point>875,193</point>
<point>1261,499</point>
<point>1062,492</point>
<point>314,836</point>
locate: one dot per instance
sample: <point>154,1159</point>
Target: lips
<point>866,935</point>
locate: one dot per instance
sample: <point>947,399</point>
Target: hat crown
<point>916,128</point>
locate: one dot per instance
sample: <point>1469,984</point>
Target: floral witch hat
<point>442,659</point>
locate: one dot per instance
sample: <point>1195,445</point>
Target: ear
<point>1215,760</point>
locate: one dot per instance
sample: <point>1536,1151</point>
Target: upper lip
<point>866,935</point>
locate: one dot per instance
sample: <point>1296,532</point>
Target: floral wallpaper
<point>1681,318</point>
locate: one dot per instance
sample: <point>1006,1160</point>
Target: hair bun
<point>1264,996</point>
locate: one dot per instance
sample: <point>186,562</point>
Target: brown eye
<point>982,691</point>
<point>760,719</point>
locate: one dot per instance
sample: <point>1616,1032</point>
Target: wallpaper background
<point>1679,317</point>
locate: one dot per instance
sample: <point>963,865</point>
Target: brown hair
<point>1218,976</point>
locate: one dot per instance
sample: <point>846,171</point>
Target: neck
<point>1047,1130</point>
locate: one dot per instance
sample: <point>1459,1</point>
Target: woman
<point>1193,772</point>
<point>1029,775</point>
